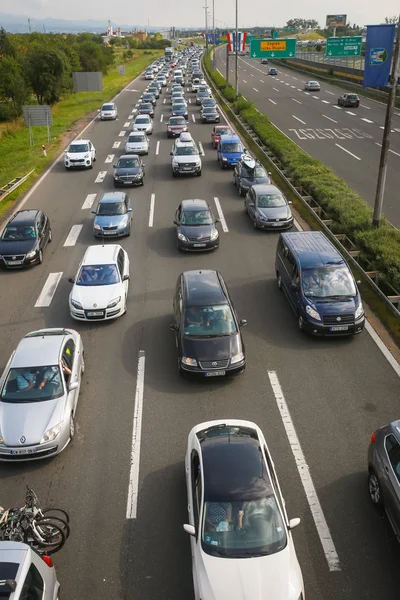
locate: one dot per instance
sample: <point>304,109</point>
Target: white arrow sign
<point>330,53</point>
<point>254,54</point>
<point>290,53</point>
<point>272,53</point>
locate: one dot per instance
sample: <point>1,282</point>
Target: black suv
<point>24,239</point>
<point>206,326</point>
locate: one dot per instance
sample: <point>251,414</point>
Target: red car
<point>219,130</point>
<point>176,125</point>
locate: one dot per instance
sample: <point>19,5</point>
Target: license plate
<point>199,245</point>
<point>214,373</point>
<point>95,313</point>
<point>127,182</point>
<point>24,451</point>
<point>187,169</point>
<point>14,262</point>
<point>108,232</point>
<point>275,224</point>
<point>339,328</point>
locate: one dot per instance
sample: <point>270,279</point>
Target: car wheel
<point>245,208</point>
<point>338,103</point>
<point>71,427</point>
<point>50,236</point>
<point>300,323</point>
<point>374,489</point>
<point>173,174</point>
<point>40,258</point>
<point>279,280</point>
<point>198,173</point>
<point>94,157</point>
<point>240,190</point>
<point>142,182</point>
<point>255,224</point>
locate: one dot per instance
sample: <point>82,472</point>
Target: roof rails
<point>11,584</point>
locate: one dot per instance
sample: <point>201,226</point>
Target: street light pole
<point>213,27</point>
<point>393,83</point>
<point>236,54</point>
<point>206,11</point>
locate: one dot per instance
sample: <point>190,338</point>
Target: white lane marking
<point>338,107</point>
<point>244,81</point>
<point>193,118</point>
<point>305,476</point>
<point>73,235</point>
<point>251,74</point>
<point>384,349</point>
<point>255,89</point>
<point>328,92</point>
<point>276,89</point>
<point>393,152</point>
<point>299,90</point>
<point>190,101</point>
<point>348,152</point>
<point>219,72</point>
<point>109,158</point>
<point>262,80</point>
<point>127,124</point>
<point>157,147</point>
<point>161,118</point>
<point>366,120</point>
<point>326,101</point>
<point>221,216</point>
<point>90,198</point>
<point>116,144</point>
<point>294,117</point>
<point>316,97</point>
<point>231,70</point>
<point>151,213</point>
<point>368,108</point>
<point>201,149</point>
<point>307,93</point>
<point>100,177</point>
<point>271,101</point>
<point>298,101</point>
<point>130,116</point>
<point>286,83</point>
<point>244,69</point>
<point>122,133</point>
<point>244,97</point>
<point>350,113</point>
<point>295,78</point>
<point>164,101</point>
<point>134,110</point>
<point>48,290</point>
<point>329,119</point>
<point>133,487</point>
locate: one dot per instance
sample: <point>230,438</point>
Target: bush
<point>242,104</point>
<point>6,113</point>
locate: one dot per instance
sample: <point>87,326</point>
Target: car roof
<point>128,156</point>
<point>194,204</point>
<point>101,255</point>
<point>107,103</point>
<point>39,348</point>
<point>112,197</point>
<point>13,558</point>
<point>24,217</point>
<point>232,137</point>
<point>203,287</point>
<point>79,141</point>
<point>143,117</point>
<point>313,249</point>
<point>265,188</point>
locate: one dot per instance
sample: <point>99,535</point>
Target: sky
<point>190,13</point>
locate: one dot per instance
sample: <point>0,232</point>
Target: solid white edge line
<point>90,198</point>
<point>305,476</point>
<point>151,213</point>
<point>73,235</point>
<point>348,151</point>
<point>157,147</point>
<point>133,486</point>
<point>48,290</point>
<point>221,216</point>
<point>201,149</point>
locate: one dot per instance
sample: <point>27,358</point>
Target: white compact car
<point>149,75</point>
<point>241,537</point>
<point>108,111</point>
<point>143,123</point>
<point>137,143</point>
<point>101,284</point>
<point>80,154</point>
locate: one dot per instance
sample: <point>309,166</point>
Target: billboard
<point>336,20</point>
<point>378,55</point>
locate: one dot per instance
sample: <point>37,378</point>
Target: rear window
<point>8,570</point>
<point>352,96</point>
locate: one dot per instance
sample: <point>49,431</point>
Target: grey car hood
<point>30,419</point>
<point>279,212</point>
<point>109,220</point>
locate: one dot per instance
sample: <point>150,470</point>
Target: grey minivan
<point>319,285</point>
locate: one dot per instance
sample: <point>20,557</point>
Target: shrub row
<point>349,211</point>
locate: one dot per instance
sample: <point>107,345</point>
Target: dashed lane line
<point>100,177</point>
<point>90,198</point>
<point>122,133</point>
<point>366,120</point>
<point>255,89</point>
<point>151,213</point>
<point>116,144</point>
<point>273,102</point>
<point>73,235</point>
<point>158,147</point>
<point>201,149</point>
<point>329,119</point>
<point>127,124</point>
<point>297,118</point>
<point>48,290</point>
<point>221,216</point>
<point>109,158</point>
<point>348,152</point>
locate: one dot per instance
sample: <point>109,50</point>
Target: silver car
<point>312,86</point>
<point>384,472</point>
<point>137,143</point>
<point>143,123</point>
<point>24,574</point>
<point>108,111</point>
<point>39,395</point>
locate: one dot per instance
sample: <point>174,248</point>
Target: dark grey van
<point>319,285</point>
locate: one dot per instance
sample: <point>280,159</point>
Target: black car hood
<point>17,247</point>
<point>209,349</point>
<point>196,231</point>
<point>128,171</point>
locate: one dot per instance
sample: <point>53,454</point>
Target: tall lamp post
<point>236,52</point>
<point>206,13</point>
<point>213,28</point>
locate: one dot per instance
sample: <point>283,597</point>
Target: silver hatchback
<point>137,143</point>
<point>384,472</point>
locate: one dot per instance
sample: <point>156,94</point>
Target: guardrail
<point>13,184</point>
<point>392,300</point>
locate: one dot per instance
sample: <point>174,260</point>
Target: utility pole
<point>29,25</point>
<point>206,11</point>
<point>213,27</point>
<point>236,54</point>
<point>393,83</point>
<point>227,65</point>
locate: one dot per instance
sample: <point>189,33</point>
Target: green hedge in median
<point>350,212</point>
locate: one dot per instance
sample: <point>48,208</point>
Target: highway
<point>337,391</point>
<point>347,140</point>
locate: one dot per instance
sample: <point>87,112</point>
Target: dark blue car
<point>229,151</point>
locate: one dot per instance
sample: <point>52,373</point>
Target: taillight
<point>48,561</point>
<point>373,438</point>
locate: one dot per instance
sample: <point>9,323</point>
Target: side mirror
<point>175,222</point>
<point>71,279</point>
<point>251,204</point>
<point>293,523</point>
<point>125,278</point>
<point>190,529</point>
<point>290,202</point>
<point>243,322</point>
<point>171,153</point>
<point>93,212</point>
<point>359,282</point>
<point>73,386</point>
<point>129,210</point>
<point>114,166</point>
<point>217,221</point>
<point>270,173</point>
<point>173,327</point>
<point>65,151</point>
<point>294,287</point>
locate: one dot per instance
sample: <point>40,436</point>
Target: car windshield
<point>256,172</point>
<point>98,275</point>
<point>19,233</point>
<point>232,147</point>
<point>108,107</point>
<point>111,208</point>
<point>75,148</point>
<point>33,384</point>
<point>142,121</point>
<point>326,282</point>
<point>209,102</point>
<point>128,163</point>
<point>223,131</point>
<point>136,138</point>
<point>146,106</point>
<point>196,217</point>
<point>185,150</point>
<point>148,96</point>
<point>273,200</point>
<point>209,321</point>
<point>202,94</point>
<point>177,121</point>
<point>178,106</point>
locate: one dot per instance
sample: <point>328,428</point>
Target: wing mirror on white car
<point>71,279</point>
<point>190,529</point>
<point>73,386</point>
<point>294,522</point>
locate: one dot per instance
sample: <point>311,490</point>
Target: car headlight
<point>313,313</point>
<point>192,362</point>
<point>175,163</point>
<point>114,302</point>
<point>182,237</point>
<point>237,358</point>
<point>359,312</point>
<point>51,433</point>
<point>214,234</point>
<point>76,304</point>
<point>31,254</point>
<point>96,226</point>
<point>116,177</point>
<point>223,158</point>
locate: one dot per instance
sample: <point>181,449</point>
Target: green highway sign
<point>343,46</point>
<point>279,48</point>
<point>275,34</point>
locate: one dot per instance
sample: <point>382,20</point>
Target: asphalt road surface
<point>347,140</point>
<point>337,390</point>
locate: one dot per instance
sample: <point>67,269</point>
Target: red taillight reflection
<point>48,561</point>
<point>373,438</point>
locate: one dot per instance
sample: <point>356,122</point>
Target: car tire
<point>300,323</point>
<point>338,103</point>
<point>245,208</point>
<point>50,237</point>
<point>94,158</point>
<point>374,489</point>
<point>198,173</point>
<point>91,165</point>
<point>40,257</point>
<point>255,224</point>
<point>279,281</point>
<point>71,427</point>
<point>240,190</point>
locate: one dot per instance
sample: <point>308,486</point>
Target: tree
<point>47,70</point>
<point>12,83</point>
<point>94,57</point>
<point>6,46</point>
<point>391,20</point>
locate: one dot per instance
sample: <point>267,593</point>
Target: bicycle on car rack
<point>45,530</point>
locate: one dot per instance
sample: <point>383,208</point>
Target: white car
<point>80,153</point>
<point>109,111</point>
<point>195,85</point>
<point>143,123</point>
<point>101,284</point>
<point>312,86</point>
<point>241,537</point>
<point>149,75</point>
<point>137,143</point>
<point>162,79</point>
<point>185,159</point>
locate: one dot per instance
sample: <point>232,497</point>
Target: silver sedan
<point>312,86</point>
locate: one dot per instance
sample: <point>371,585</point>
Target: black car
<point>206,326</point>
<point>209,114</point>
<point>146,108</point>
<point>24,239</point>
<point>129,170</point>
<point>196,226</point>
<point>349,100</point>
<point>264,61</point>
<point>272,71</point>
<point>244,176</point>
<point>149,97</point>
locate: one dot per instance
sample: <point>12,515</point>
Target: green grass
<point>17,158</point>
<point>313,35</point>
